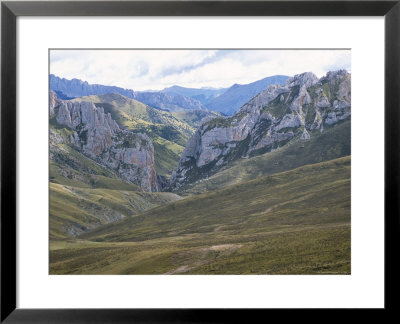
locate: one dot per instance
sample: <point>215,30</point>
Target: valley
<point>156,182</point>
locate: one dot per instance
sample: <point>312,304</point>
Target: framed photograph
<point>196,158</point>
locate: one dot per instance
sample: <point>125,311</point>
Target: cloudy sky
<point>158,69</point>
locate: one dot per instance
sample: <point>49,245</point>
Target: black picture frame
<point>10,10</point>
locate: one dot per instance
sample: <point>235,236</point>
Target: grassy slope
<point>296,221</point>
<point>168,133</point>
<point>332,143</point>
<point>76,209</point>
<point>195,117</point>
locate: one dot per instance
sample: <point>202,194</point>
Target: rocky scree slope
<point>277,115</point>
<point>96,135</point>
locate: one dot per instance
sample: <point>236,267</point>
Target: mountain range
<point>78,88</point>
<point>175,98</point>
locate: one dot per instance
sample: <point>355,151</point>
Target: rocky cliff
<point>95,134</point>
<point>277,115</point>
<point>53,102</point>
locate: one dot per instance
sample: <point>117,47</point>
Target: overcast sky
<point>158,69</point>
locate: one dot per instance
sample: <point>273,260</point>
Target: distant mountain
<point>204,95</point>
<point>223,100</point>
<point>60,95</point>
<point>79,88</point>
<point>237,95</point>
<point>173,99</point>
<point>169,101</point>
<point>196,118</point>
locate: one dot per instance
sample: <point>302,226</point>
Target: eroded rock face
<point>268,121</point>
<point>94,129</point>
<point>306,79</point>
<point>53,102</point>
<point>99,137</point>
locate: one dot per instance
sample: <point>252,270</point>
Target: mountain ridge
<point>204,95</point>
<point>175,98</point>
<point>77,88</point>
<point>239,94</point>
<point>271,119</point>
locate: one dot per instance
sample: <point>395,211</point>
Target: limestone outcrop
<point>98,136</point>
<point>277,115</point>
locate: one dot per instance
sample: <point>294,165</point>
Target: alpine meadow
<point>200,162</point>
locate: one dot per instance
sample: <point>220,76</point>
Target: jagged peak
<point>339,74</point>
<point>307,79</point>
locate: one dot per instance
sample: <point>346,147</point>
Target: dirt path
<point>181,269</point>
<point>224,247</point>
<point>203,252</point>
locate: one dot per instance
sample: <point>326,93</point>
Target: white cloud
<point>157,69</point>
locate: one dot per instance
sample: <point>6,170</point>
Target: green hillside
<point>129,112</point>
<point>333,143</point>
<point>195,117</point>
<point>75,209</point>
<point>296,221</point>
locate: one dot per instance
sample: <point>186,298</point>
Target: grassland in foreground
<point>294,222</point>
